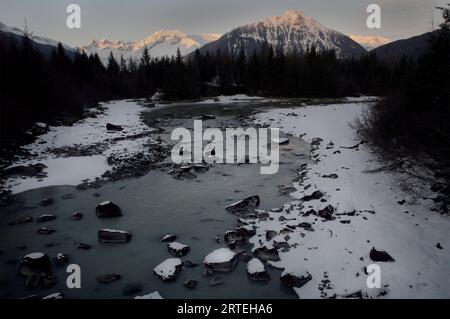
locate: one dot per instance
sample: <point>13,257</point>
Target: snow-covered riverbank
<point>79,152</point>
<point>354,207</point>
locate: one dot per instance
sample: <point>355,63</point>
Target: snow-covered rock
<point>244,205</point>
<point>296,277</point>
<point>35,263</point>
<point>108,209</point>
<point>256,270</point>
<point>168,269</point>
<point>222,259</point>
<point>177,249</point>
<point>169,238</point>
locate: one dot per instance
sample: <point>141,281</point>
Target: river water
<point>153,205</point>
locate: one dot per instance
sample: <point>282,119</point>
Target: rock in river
<point>76,216</point>
<point>168,238</point>
<point>61,259</point>
<point>244,205</point>
<point>20,221</point>
<point>296,277</point>
<point>108,278</point>
<point>45,218</point>
<point>35,264</point>
<point>256,270</point>
<point>45,231</point>
<point>47,201</point>
<point>114,236</point>
<point>265,253</point>
<point>379,255</point>
<point>190,283</point>
<point>223,259</point>
<point>168,269</point>
<point>108,209</point>
<point>178,249</point>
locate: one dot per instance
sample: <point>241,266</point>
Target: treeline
<point>415,118</point>
<point>34,87</point>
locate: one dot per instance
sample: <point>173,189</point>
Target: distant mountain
<point>293,32</point>
<point>161,43</point>
<point>413,47</point>
<point>43,45</point>
<point>370,42</point>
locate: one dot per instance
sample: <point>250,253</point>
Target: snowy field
<point>373,207</point>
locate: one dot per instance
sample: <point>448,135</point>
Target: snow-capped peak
<point>293,32</point>
<point>370,42</point>
<point>160,43</point>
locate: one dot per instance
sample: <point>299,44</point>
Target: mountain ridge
<point>293,32</point>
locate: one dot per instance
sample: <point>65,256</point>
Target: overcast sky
<point>137,19</point>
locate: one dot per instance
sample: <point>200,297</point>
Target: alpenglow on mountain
<point>159,44</point>
<point>293,32</point>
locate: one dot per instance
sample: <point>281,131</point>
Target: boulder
<point>35,263</point>
<point>190,264</point>
<point>266,254</point>
<point>216,281</point>
<point>168,238</point>
<point>223,259</point>
<point>114,236</point>
<point>112,127</point>
<point>314,195</point>
<point>178,249</point>
<point>190,283</point>
<point>295,278</point>
<point>207,117</point>
<point>108,278</point>
<point>379,255</point>
<point>326,213</point>
<point>169,269</point>
<point>45,231</point>
<point>108,209</point>
<point>61,259</point>
<point>239,234</point>
<point>84,246</point>
<point>76,216</point>
<point>45,218</point>
<point>47,201</point>
<point>280,141</point>
<point>270,234</point>
<point>39,128</point>
<point>256,270</point>
<point>244,205</point>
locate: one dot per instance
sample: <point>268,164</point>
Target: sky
<point>134,20</point>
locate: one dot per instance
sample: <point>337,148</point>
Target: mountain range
<point>161,43</point>
<point>291,32</point>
